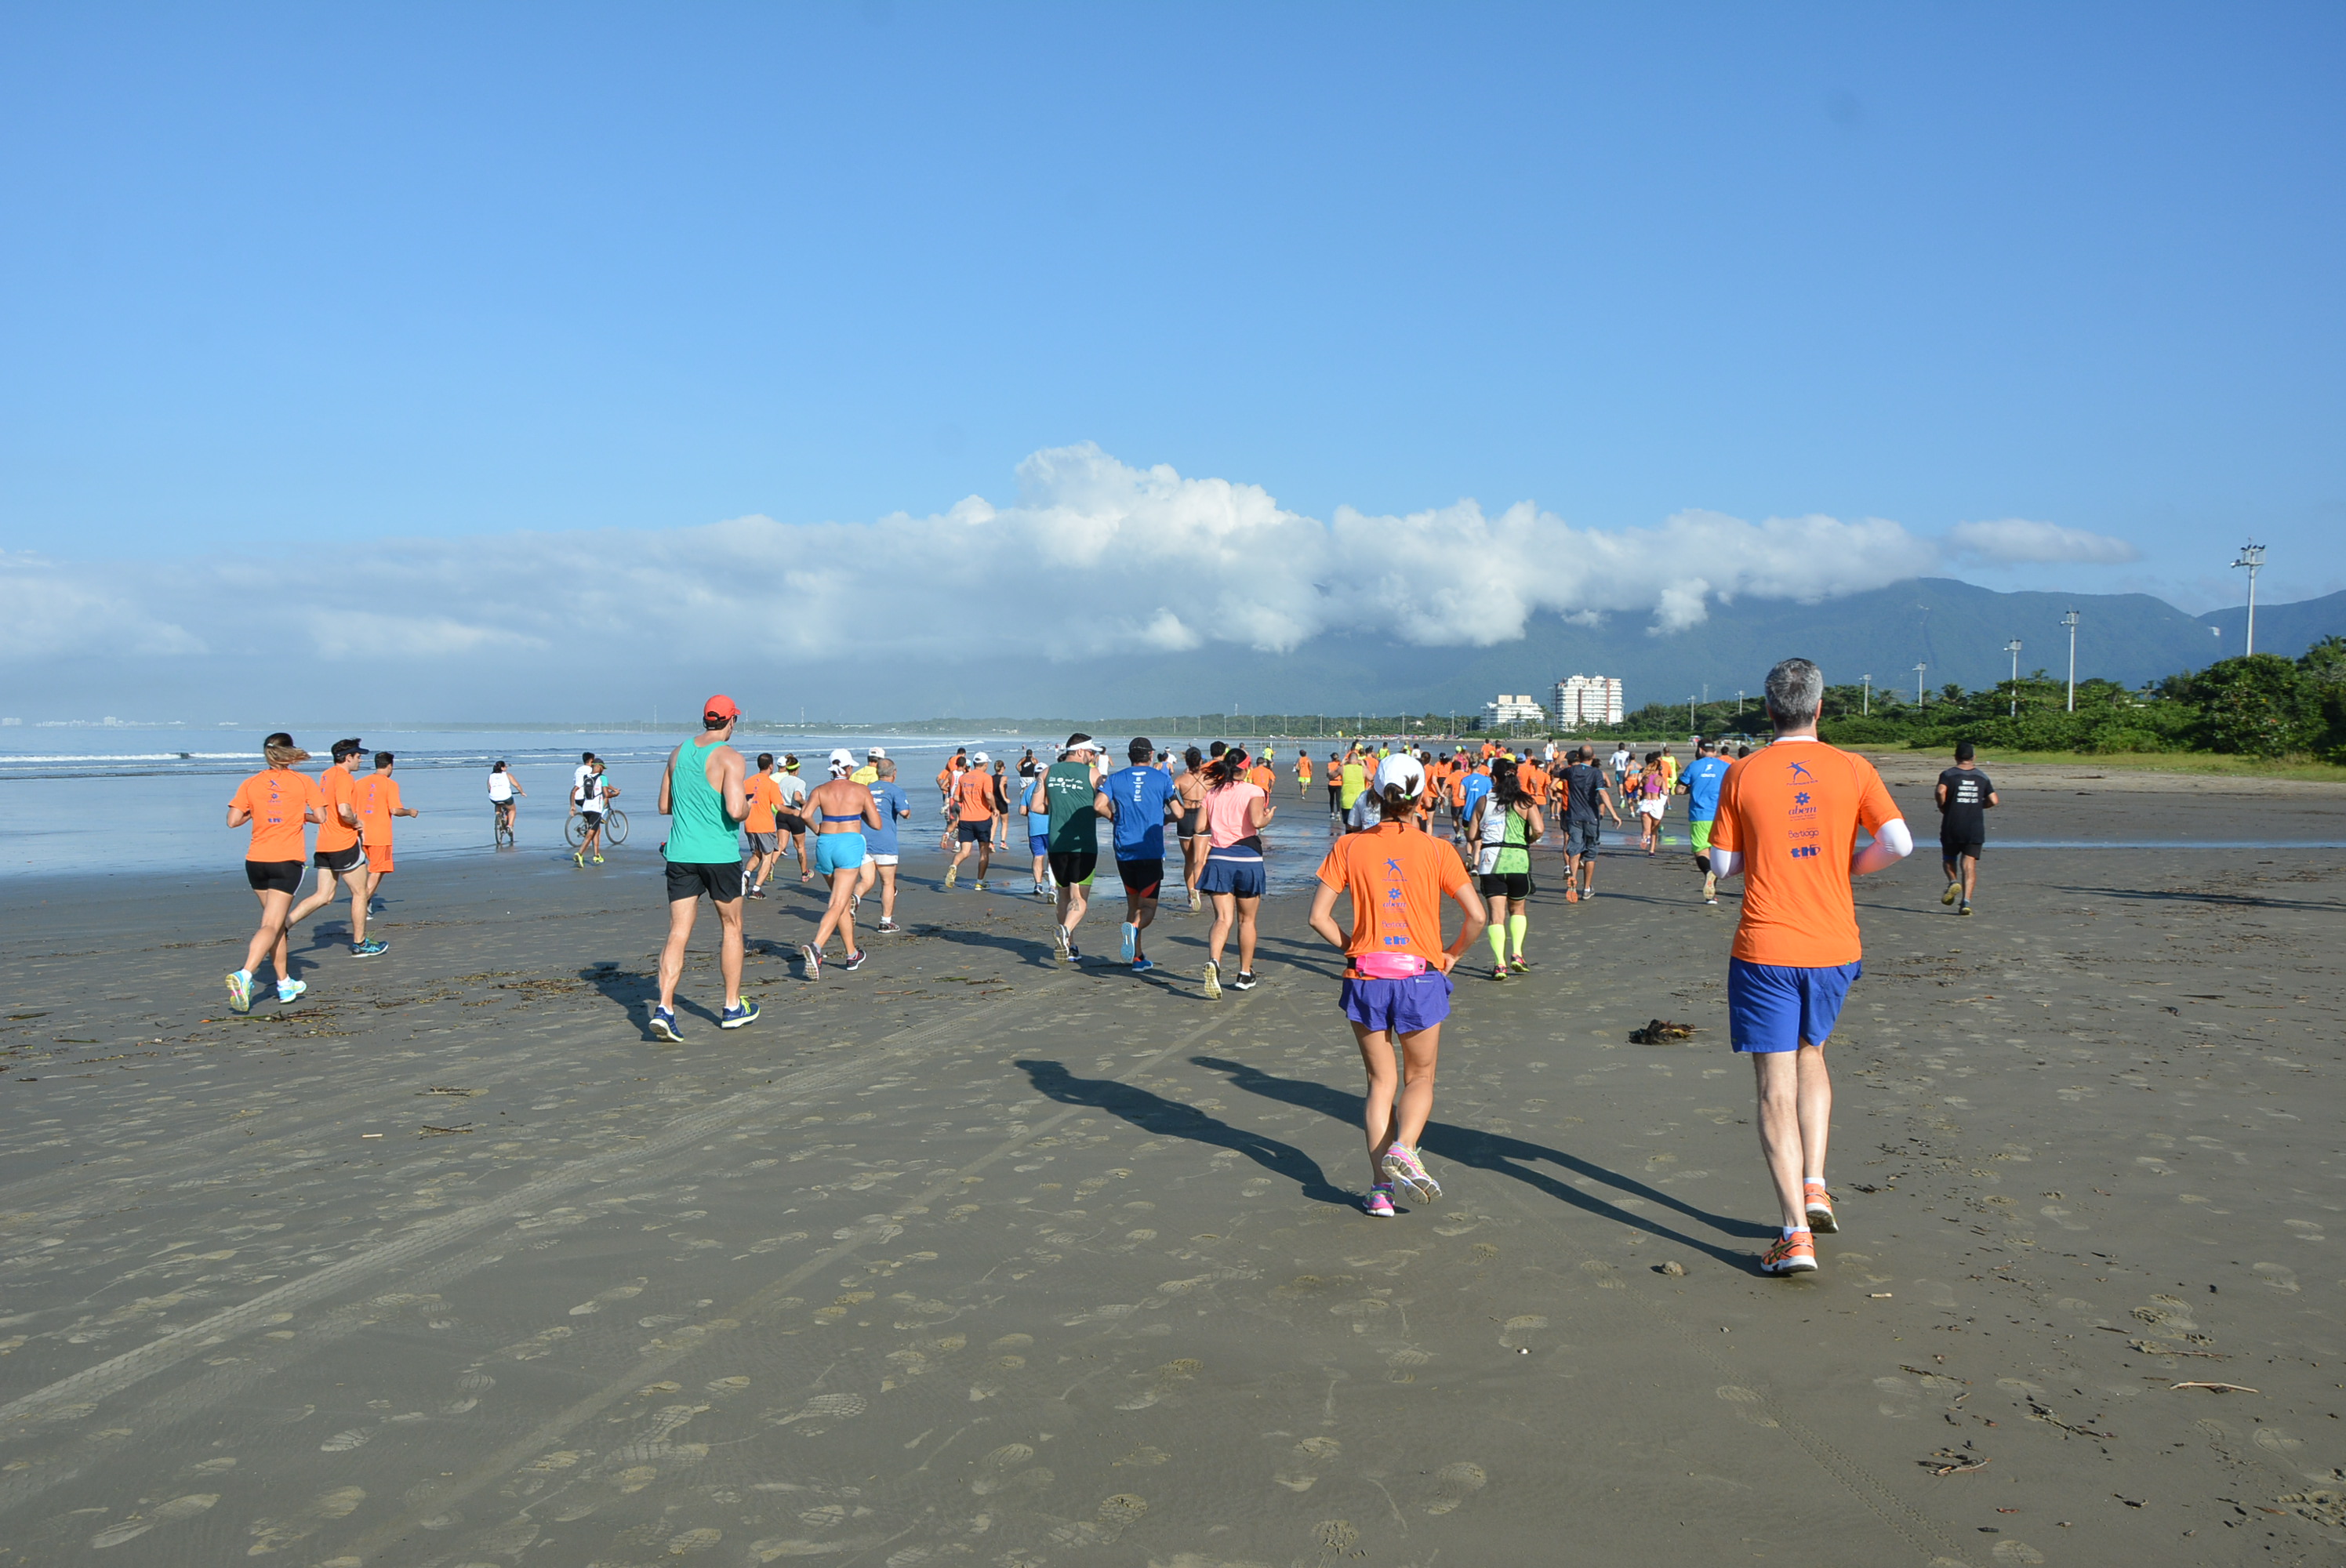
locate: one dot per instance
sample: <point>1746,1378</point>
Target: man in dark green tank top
<point>703,793</point>
<point>1070,788</point>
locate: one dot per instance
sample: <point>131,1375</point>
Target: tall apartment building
<point>1509,710</point>
<point>1580,700</point>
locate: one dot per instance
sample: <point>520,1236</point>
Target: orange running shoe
<point>1819,1204</point>
<point>1793,1254</point>
<point>1571,895</point>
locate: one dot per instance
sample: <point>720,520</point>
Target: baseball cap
<point>979,758</point>
<point>1401,769</point>
<point>720,706</point>
<point>841,759</point>
<point>876,753</point>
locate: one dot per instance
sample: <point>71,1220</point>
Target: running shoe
<point>1065,943</point>
<point>1213,982</point>
<point>1245,982</point>
<point>757,893</point>
<point>370,948</point>
<point>813,960</point>
<point>1075,953</point>
<point>578,857</point>
<point>1197,901</point>
<point>1498,972</point>
<point>1379,1203</point>
<point>1518,965</point>
<point>290,990</point>
<point>1954,891</point>
<point>978,886</point>
<point>1793,1254</point>
<point>664,1025</point>
<point>1403,1168</point>
<point>952,874</point>
<point>1712,900</point>
<point>239,992</point>
<point>1571,895</point>
<point>1818,1204</point>
<point>1128,940</point>
<point>1143,965</point>
<point>743,1012</point>
<point>889,927</point>
<point>853,960</point>
<point>855,900</point>
<point>598,859</point>
<point>1964,908</point>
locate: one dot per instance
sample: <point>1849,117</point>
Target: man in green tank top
<point>701,792</point>
<point>1070,789</point>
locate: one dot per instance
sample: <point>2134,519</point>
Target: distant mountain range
<point>1956,630</point>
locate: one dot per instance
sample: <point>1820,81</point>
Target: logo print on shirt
<point>1799,771</point>
<point>1801,799</point>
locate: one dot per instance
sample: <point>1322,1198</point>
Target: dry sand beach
<point>973,1257</point>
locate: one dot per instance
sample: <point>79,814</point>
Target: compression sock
<point>1516,926</point>
<point>1497,935</point>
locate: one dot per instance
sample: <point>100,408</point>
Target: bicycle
<point>615,827</point>
<point>500,824</point>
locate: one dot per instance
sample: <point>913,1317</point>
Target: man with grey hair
<point>1787,821</point>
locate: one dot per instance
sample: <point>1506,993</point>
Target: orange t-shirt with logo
<point>1304,770</point>
<point>1792,812</point>
<point>377,798</point>
<point>977,792</point>
<point>1263,778</point>
<point>1532,777</point>
<point>1396,879</point>
<point>334,789</point>
<point>279,799</point>
<point>765,796</point>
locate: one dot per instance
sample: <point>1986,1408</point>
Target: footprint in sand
<point>343,1442</point>
<point>616,1293</point>
<point>823,1412</point>
<point>2017,1552</point>
<point>130,1529</point>
<point>275,1534</point>
<point>1454,1484</point>
<point>1745,1402</point>
<point>2281,1279</point>
<point>1516,1331</point>
<point>996,1468</point>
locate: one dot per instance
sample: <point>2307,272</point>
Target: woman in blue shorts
<point>1236,814</point>
<point>1396,971</point>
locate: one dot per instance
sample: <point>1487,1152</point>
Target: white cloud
<point>2015,541</point>
<point>1092,557</point>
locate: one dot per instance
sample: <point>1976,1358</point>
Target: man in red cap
<point>701,792</point>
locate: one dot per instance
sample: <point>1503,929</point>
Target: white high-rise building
<point>1506,710</point>
<point>1580,700</point>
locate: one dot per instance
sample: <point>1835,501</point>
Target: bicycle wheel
<point>615,826</point>
<point>575,830</point>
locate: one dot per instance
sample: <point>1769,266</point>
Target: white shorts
<point>883,859</point>
<point>1653,808</point>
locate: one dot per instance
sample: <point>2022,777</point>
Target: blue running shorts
<point>1228,871</point>
<point>1781,1007</point>
<point>1038,843</point>
<point>1398,1006</point>
<point>838,852</point>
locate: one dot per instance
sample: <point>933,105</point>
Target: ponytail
<point>1394,803</point>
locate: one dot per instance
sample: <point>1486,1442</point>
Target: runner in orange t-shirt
<point>339,853</point>
<point>761,827</point>
<point>977,798</point>
<point>1303,775</point>
<point>1787,821</point>
<point>378,802</point>
<point>278,802</point>
<point>1396,988</point>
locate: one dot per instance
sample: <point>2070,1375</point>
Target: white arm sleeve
<point>1724,863</point>
<point>1891,845</point>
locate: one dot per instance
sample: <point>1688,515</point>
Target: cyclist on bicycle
<point>504,788</point>
<point>591,797</point>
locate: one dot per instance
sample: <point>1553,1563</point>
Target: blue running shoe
<point>664,1025</point>
<point>813,958</point>
<point>1127,937</point>
<point>1143,965</point>
<point>290,990</point>
<point>239,992</point>
<point>369,948</point>
<point>745,1011</point>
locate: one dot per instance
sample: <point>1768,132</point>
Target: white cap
<point>843,761</point>
<point>1401,769</point>
<point>979,759</point>
<point>876,753</point>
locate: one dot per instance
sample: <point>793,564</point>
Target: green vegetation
<point>2259,709</point>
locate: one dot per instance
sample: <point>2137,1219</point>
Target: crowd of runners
<point>1410,829</point>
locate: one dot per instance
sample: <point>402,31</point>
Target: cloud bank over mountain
<point>1094,558</point>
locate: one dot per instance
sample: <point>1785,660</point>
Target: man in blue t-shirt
<point>1141,800</point>
<point>1700,784</point>
<point>880,843</point>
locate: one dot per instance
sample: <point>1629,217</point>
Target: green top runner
<point>700,834</point>
<point>1074,824</point>
<point>1515,854</point>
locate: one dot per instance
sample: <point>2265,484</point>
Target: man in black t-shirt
<point>1584,798</point>
<point>1964,797</point>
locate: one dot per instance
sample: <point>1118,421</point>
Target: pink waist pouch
<point>1390,965</point>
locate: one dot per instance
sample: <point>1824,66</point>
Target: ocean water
<point>124,799</point>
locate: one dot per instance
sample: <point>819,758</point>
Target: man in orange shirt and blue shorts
<point>339,854</point>
<point>1787,821</point>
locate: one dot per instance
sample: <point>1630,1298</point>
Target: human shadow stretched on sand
<point>1171,1119</point>
<point>1511,1156</point>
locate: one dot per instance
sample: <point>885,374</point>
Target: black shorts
<point>1141,877</point>
<point>790,822</point>
<point>691,878</point>
<point>1069,868</point>
<point>1971,847</point>
<point>273,876</point>
<point>978,832</point>
<point>1506,884</point>
<point>337,861</point>
<point>594,821</point>
<point>1191,821</point>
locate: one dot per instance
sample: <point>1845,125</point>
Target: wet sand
<point>971,1256</point>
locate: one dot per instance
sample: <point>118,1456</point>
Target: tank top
<point>700,834</point>
<point>1229,820</point>
<point>1504,851</point>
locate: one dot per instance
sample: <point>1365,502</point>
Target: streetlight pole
<point>1867,700</point>
<point>2252,557</point>
<point>1918,683</point>
<point>1689,711</point>
<point>2013,647</point>
<point>2070,621</point>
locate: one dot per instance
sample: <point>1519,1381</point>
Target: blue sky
<point>280,278</point>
